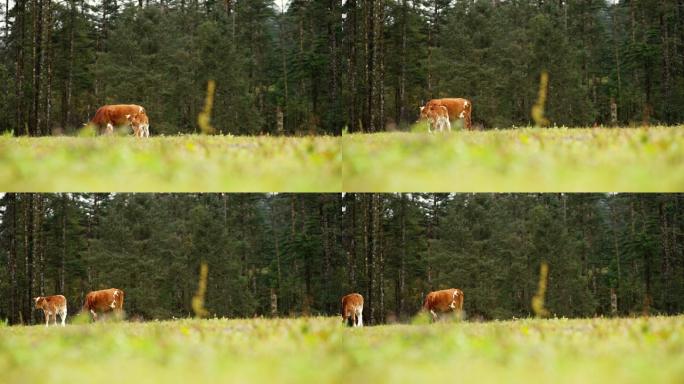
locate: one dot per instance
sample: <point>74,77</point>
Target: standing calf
<point>52,306</point>
<point>352,310</point>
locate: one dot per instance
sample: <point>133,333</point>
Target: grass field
<point>176,163</point>
<point>320,350</point>
<point>517,160</point>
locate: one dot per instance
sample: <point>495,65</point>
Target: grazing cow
<point>106,300</point>
<point>134,115</point>
<point>445,300</point>
<point>457,109</point>
<point>352,310</point>
<point>52,306</point>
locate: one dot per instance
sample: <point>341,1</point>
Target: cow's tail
<point>467,115</point>
<point>99,117</point>
<point>425,302</point>
<point>118,299</point>
<point>86,305</point>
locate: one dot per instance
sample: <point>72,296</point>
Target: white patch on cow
<point>36,299</point>
<point>461,115</point>
<point>94,314</point>
<point>452,305</point>
<point>421,108</point>
<point>128,116</point>
<point>443,124</point>
<point>110,128</point>
<point>465,103</point>
<point>141,110</point>
<point>113,304</point>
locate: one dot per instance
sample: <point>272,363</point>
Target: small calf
<point>352,310</point>
<point>52,306</point>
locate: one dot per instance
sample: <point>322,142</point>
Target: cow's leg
<point>434,315</point>
<point>94,315</point>
<point>47,318</point>
<point>360,320</point>
<point>63,315</point>
<point>110,129</point>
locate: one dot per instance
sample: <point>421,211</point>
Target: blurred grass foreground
<point>321,350</point>
<point>173,163</point>
<point>517,160</point>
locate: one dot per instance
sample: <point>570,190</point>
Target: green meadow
<point>321,350</point>
<point>172,163</point>
<point>516,160</point>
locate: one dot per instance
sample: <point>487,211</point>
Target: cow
<point>106,300</point>
<point>445,300</point>
<point>109,116</point>
<point>438,117</point>
<point>457,109</point>
<point>352,310</point>
<point>52,306</point>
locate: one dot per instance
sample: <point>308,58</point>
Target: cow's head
<point>39,301</point>
<point>139,122</point>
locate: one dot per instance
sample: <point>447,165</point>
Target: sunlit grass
<point>176,163</point>
<point>516,160</point>
<point>321,350</point>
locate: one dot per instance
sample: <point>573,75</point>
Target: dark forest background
<point>319,66</point>
<point>297,254</point>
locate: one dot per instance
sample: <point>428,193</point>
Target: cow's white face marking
<point>113,304</point>
<point>465,103</point>
<point>452,305</point>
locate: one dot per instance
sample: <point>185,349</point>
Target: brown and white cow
<point>104,301</point>
<point>438,117</point>
<point>446,300</point>
<point>52,306</point>
<point>109,116</point>
<point>456,108</point>
<point>352,310</point>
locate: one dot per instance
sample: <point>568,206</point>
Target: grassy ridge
<point>178,163</point>
<point>517,160</point>
<point>321,350</point>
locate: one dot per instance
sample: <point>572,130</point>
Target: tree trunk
<point>21,125</point>
<point>35,120</point>
<point>47,62</point>
<point>12,260</point>
<point>614,217</point>
<point>28,257</point>
<point>351,64</point>
<point>62,261</point>
<point>402,261</point>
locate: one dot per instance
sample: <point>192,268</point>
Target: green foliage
<point>176,163</point>
<point>516,160</point>
<point>314,350</point>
